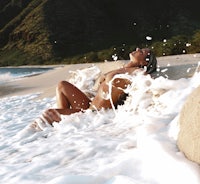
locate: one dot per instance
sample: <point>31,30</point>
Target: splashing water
<point>135,143</point>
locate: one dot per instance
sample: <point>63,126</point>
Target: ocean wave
<point>6,77</point>
<point>9,74</point>
<point>135,143</point>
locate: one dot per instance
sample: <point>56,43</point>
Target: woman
<point>71,100</point>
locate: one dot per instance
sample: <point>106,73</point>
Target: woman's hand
<point>51,115</point>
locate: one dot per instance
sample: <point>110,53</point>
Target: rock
<point>189,136</point>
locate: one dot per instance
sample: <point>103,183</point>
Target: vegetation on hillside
<point>50,31</point>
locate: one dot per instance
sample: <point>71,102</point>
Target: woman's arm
<point>53,115</point>
<point>109,76</point>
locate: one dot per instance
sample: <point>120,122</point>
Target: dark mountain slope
<point>50,29</point>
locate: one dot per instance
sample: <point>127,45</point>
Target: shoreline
<point>176,67</point>
<point>46,83</point>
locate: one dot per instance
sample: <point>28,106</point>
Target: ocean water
<point>134,144</point>
<point>12,73</point>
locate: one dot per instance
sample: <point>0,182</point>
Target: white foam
<point>134,144</point>
<point>5,77</point>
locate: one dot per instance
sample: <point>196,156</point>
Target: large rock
<point>189,135</point>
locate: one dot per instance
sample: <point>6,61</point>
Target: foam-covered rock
<point>189,135</point>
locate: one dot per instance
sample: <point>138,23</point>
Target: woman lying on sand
<point>71,100</point>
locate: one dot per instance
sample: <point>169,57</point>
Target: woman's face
<point>139,56</point>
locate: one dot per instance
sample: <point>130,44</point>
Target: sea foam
<point>135,143</point>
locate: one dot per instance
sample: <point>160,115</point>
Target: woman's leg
<point>69,100</point>
<point>69,96</point>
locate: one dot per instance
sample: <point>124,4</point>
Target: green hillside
<point>52,31</point>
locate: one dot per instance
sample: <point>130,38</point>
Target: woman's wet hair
<point>152,63</point>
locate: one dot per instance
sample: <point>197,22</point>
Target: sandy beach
<point>172,67</point>
<point>135,143</point>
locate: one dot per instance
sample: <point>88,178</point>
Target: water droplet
<point>148,37</point>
